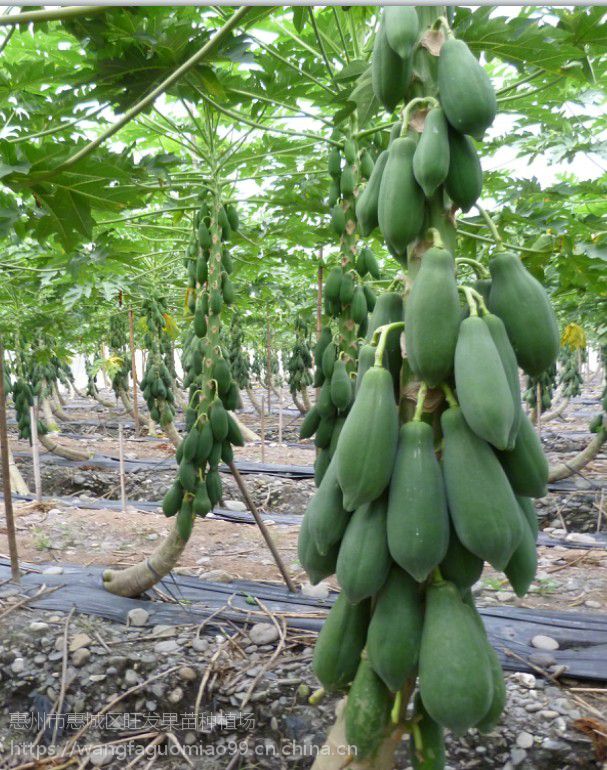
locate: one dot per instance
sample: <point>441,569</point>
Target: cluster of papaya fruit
<point>23,398</point>
<point>117,341</point>
<point>157,383</point>
<point>91,378</point>
<point>544,385</point>
<point>239,361</point>
<point>436,464</point>
<point>570,377</point>
<point>211,430</point>
<point>299,362</point>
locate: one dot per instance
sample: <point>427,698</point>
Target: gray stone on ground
<point>542,642</point>
<point>263,633</point>
<point>138,616</point>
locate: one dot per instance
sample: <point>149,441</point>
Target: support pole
<point>36,454</point>
<point>280,401</point>
<point>262,430</point>
<point>268,361</point>
<point>6,478</point>
<point>319,297</point>
<point>121,457</point>
<point>262,527</point>
<point>538,409</point>
<point>134,371</point>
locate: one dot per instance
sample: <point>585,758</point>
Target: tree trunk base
<point>62,451</point>
<point>171,432</point>
<point>18,485</point>
<point>48,416</point>
<point>582,459</point>
<point>556,412</point>
<point>253,399</point>
<point>247,433</point>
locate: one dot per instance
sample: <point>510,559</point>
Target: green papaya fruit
<point>226,261</point>
<point>205,443</point>
<point>459,565</point>
<point>371,262</point>
<point>214,489</point>
<point>310,423</point>
<point>324,432</point>
<point>482,387</point>
<point>227,452</point>
<point>215,454</point>
<point>464,181</point>
<point>402,29</point>
<point>455,679</point>
<point>364,559</point>
<point>367,445</point>
<point>483,287</point>
<point>523,305</point>
<point>204,236</point>
<point>522,566</point>
<point>233,218</point>
<point>431,157</point>
<point>328,360</point>
<point>395,629</point>
<point>366,359</point>
<point>231,400</point>
<point>216,302</point>
<point>234,433</point>
<point>465,91</point>
<point>371,298</point>
<point>324,403</point>
<point>432,318</point>
<point>190,443</point>
<point>526,506</point>
<point>526,464</point>
<point>350,151</point>
<point>218,418</point>
<point>222,375</point>
<point>332,287</point>
<point>334,162</point>
<point>390,75</point>
<point>201,270</point>
<point>171,502</point>
<point>368,200</point>
<point>418,520</point>
<point>337,426</point>
<point>366,164</point>
<point>227,288</point>
<point>347,183</point>
<point>508,358</point>
<point>334,193</point>
<point>340,643</point>
<point>323,458</point>
<point>388,309</point>
<point>327,519</point>
<point>338,219</point>
<point>341,386</point>
<point>367,711</point>
<point>317,566</point>
<point>201,504</point>
<point>185,520</point>
<point>358,307</point>
<point>188,476</point>
<point>323,340</point>
<point>481,502</point>
<point>401,200</point>
<point>431,754</point>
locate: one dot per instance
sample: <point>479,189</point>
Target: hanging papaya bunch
<point>91,377</point>
<point>299,363</point>
<point>436,464</point>
<point>25,388</point>
<point>239,362</point>
<point>211,430</point>
<point>120,367</point>
<point>539,390</point>
<point>158,383</point>
<point>570,377</point>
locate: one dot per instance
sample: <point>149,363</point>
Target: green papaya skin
<point>341,388</point>
<point>390,74</point>
<point>455,677</point>
<point>482,387</point>
<point>526,465</point>
<point>402,28</point>
<point>465,90</point>
<point>367,711</point>
<point>310,423</point>
<point>464,181</point>
<point>508,358</point>
<point>418,520</point>
<point>323,458</point>
<point>522,567</point>
<point>366,359</point>
<point>327,520</point>
<point>431,158</point>
<point>459,565</point>
<point>364,561</point>
<point>401,200</point>
<point>432,318</point>
<point>523,305</point>
<point>315,564</point>
<point>395,630</point>
<point>367,445</point>
<point>432,754</point>
<point>367,203</point>
<point>388,309</point>
<point>526,506</point>
<point>483,508</point>
<point>340,643</point>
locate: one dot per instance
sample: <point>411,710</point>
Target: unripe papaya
<point>221,374</point>
<point>332,287</point>
<point>388,309</point>
<point>366,164</point>
<point>185,520</point>
<point>201,270</point>
<point>526,506</point>
<point>190,443</point>
<point>310,423</point>
<point>367,445</point>
<point>358,307</point>
<point>328,360</point>
<point>395,629</point>
<point>234,433</point>
<point>418,521</point>
<point>455,677</point>
<point>371,298</point>
<point>508,358</point>
<point>465,90</point>
<point>481,502</point>
<point>323,458</point>
<point>205,443</point>
<point>317,566</point>
<point>370,262</point>
<point>334,162</point>
<point>364,559</point>
<point>482,387</point>
<point>523,305</point>
<point>347,182</point>
<point>402,29</point>
<point>459,565</point>
<point>526,464</point>
<point>324,432</point>
<point>214,487</point>
<point>201,504</point>
<point>346,289</point>
<point>204,236</point>
<point>327,519</point>
<point>401,200</point>
<point>338,219</point>
<point>431,755</point>
<point>171,502</point>
<point>390,74</point>
<point>368,200</point>
<point>340,643</point>
<point>464,181</point>
<point>219,420</point>
<point>337,426</point>
<point>233,218</point>
<point>324,404</point>
<point>432,318</point>
<point>367,711</point>
<point>322,342</point>
<point>431,157</point>
<point>216,302</point>
<point>366,359</point>
<point>188,476</point>
<point>522,566</point>
<point>341,386</point>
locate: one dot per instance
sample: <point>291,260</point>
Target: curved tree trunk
<point>180,399</point>
<point>57,410</point>
<point>134,580</point>
<point>58,395</point>
<point>103,402</point>
<point>47,413</point>
<point>62,451</point>
<point>566,469</point>
<point>247,433</point>
<point>556,412</point>
<point>298,404</point>
<point>126,401</point>
<point>18,484</point>
<point>306,399</point>
<point>253,399</point>
<point>171,432</point>
<point>79,393</point>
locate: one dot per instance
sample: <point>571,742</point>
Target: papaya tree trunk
<point>557,412</point>
<point>305,399</point>
<point>567,468</point>
<point>247,433</point>
<point>79,393</point>
<point>126,402</point>
<point>171,432</point>
<point>134,580</point>
<point>57,410</point>
<point>62,451</point>
<point>179,397</point>
<point>49,418</point>
<point>18,484</point>
<point>253,399</point>
<point>104,402</point>
<point>298,404</point>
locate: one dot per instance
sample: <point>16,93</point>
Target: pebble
<point>175,696</point>
<point>187,674</point>
<point>320,591</point>
<point>131,677</point>
<point>53,571</point>
<point>594,605</point>
<point>80,657</point>
<point>263,633</point>
<point>200,645</point>
<point>542,659</point>
<point>38,627</point>
<point>524,740</point>
<point>549,714</point>
<point>542,642</point>
<point>234,505</point>
<point>517,756</point>
<point>97,678</point>
<point>504,596</point>
<point>101,756</point>
<point>170,645</point>
<point>525,680</point>
<point>78,641</point>
<point>18,666</point>
<point>532,708</point>
<point>164,630</point>
<point>138,617</point>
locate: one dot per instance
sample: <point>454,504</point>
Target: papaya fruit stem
<point>467,292</point>
<point>383,338</point>
<point>437,576</point>
<point>417,738</point>
<point>480,300</point>
<point>435,237</point>
<point>395,713</point>
<point>421,398</point>
<point>490,224</point>
<point>408,109</point>
<point>449,395</point>
<point>479,268</point>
